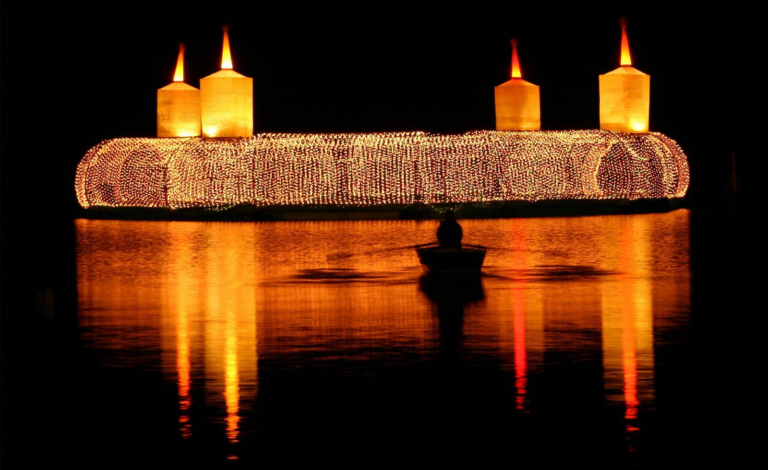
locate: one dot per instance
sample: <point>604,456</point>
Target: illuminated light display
<point>380,168</point>
<point>518,104</point>
<point>178,106</point>
<point>226,100</point>
<point>625,94</point>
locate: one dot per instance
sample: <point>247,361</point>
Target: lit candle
<point>178,106</point>
<point>517,101</point>
<point>625,94</point>
<point>227,100</point>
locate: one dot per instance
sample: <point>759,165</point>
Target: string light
<point>381,168</point>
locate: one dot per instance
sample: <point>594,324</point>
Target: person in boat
<point>449,232</point>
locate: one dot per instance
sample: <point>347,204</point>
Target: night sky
<point>76,73</point>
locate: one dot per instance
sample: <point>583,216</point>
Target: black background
<point>74,74</point>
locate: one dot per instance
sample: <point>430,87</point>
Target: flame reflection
<point>183,367</point>
<point>213,304</point>
<point>519,314</point>
<point>181,290</point>
<point>627,316</point>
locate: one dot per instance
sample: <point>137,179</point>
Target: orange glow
<point>521,358</point>
<point>517,102</point>
<point>183,371</point>
<point>226,100</point>
<point>231,378</point>
<point>625,94</point>
<point>204,322</point>
<point>216,298</point>
<point>629,361</point>
<point>628,318</point>
<point>636,320</point>
<point>178,105</point>
<point>516,73</point>
<point>179,75</point>
<point>518,323</point>
<point>226,57</point>
<point>625,57</point>
<point>628,298</point>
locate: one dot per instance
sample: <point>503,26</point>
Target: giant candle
<point>625,94</point>
<point>226,99</point>
<point>517,101</point>
<point>178,106</point>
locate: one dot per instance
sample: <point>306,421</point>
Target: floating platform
<point>382,176</point>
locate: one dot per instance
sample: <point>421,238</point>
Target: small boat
<point>437,260</point>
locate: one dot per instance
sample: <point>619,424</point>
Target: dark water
<point>589,342</point>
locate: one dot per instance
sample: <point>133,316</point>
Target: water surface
<point>295,343</point>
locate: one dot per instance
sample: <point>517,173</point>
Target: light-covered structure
<point>226,100</point>
<point>518,103</point>
<point>385,168</point>
<point>625,94</point>
<point>178,105</point>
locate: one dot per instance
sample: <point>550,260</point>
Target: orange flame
<point>178,76</point>
<point>226,57</point>
<point>625,57</point>
<point>516,73</point>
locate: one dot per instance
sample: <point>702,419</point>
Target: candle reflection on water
<point>183,285</point>
<point>213,304</point>
<point>230,328</point>
<point>628,321</point>
<point>183,366</point>
<point>183,292</point>
<point>527,311</point>
<point>526,308</point>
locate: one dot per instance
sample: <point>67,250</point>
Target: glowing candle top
<point>625,94</point>
<point>178,105</point>
<point>516,72</point>
<point>178,76</point>
<point>226,57</point>
<point>626,59</point>
<point>517,101</point>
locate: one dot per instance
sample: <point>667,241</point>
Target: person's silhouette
<point>449,232</point>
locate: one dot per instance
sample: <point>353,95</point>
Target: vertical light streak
<point>521,357</point>
<point>183,368</point>
<point>519,312</point>
<point>628,324</point>
<point>231,378</point>
<point>629,357</point>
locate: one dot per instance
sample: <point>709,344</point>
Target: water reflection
<point>174,297</point>
<point>226,310</point>
<point>450,294</point>
<point>628,324</point>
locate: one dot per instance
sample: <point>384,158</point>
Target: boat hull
<point>465,260</point>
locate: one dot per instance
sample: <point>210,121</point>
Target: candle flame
<point>516,73</point>
<point>178,76</point>
<point>226,57</point>
<point>625,57</point>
